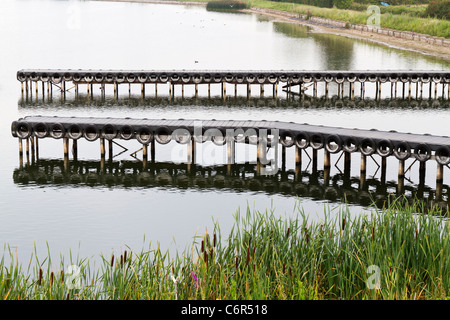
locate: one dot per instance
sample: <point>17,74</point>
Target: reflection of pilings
<point>237,178</point>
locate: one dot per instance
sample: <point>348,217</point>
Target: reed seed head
<point>112,261</point>
<point>40,277</point>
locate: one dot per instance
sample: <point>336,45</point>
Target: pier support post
<point>383,170</point>
<point>283,158</point>
<point>116,90</point>
<point>401,176</point>
<point>144,155</point>
<point>347,163</point>
<point>258,155</point>
<point>190,154</point>
<point>326,158</point>
<point>66,154</point>
<point>314,160</point>
<point>230,154</point>
<point>143,90</point>
<point>152,150</point>
<point>102,147</point>
<point>362,176</point>
<point>20,153</point>
<point>75,149</point>
<point>36,146</point>
<point>298,162</point>
<point>422,169</point>
<point>440,173</point>
<point>66,146</point>
<point>33,154</point>
<point>28,150</point>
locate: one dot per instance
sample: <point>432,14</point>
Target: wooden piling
<point>75,149</point>
<point>440,173</point>
<point>362,175</point>
<point>326,158</point>
<point>36,146</point>
<point>283,158</point>
<point>33,154</point>
<point>66,146</point>
<point>298,162</point>
<point>20,147</point>
<point>347,163</point>
<point>409,90</point>
<point>20,153</point>
<point>314,160</point>
<point>230,154</point>
<point>152,150</point>
<point>422,169</point>
<point>102,147</point>
<point>144,155</point>
<point>383,170</point>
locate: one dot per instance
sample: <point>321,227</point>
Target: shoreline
<point>380,39</point>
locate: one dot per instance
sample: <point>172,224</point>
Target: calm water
<point>94,216</point>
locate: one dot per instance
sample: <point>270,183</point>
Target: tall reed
<point>398,252</point>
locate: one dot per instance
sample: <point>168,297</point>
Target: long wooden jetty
<point>400,83</point>
<point>263,134</point>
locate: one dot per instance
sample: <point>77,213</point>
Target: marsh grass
<point>226,5</point>
<point>266,257</point>
<point>398,19</point>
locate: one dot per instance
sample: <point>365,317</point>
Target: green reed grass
<point>389,17</point>
<point>266,257</point>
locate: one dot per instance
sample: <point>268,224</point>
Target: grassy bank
<point>393,254</point>
<point>402,22</point>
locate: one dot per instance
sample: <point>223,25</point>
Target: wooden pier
<point>263,134</point>
<point>397,83</point>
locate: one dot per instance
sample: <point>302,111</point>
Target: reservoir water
<point>99,217</point>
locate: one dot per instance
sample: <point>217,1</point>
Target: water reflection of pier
<point>288,102</point>
<point>316,184</point>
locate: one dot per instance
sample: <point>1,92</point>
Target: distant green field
<point>402,22</point>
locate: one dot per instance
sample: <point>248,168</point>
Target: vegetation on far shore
<point>401,17</point>
<point>398,252</point>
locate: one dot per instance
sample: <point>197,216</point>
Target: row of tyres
<point>244,77</point>
<point>333,143</point>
